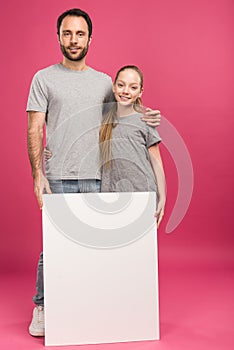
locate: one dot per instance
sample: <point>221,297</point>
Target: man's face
<point>74,38</point>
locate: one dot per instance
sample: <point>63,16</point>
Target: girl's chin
<point>125,103</point>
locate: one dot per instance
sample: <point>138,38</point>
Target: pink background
<point>185,49</point>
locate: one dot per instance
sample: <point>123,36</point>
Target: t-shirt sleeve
<point>109,97</point>
<point>152,136</point>
<point>37,99</point>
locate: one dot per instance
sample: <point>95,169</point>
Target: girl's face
<point>127,87</point>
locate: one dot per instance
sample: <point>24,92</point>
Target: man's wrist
<point>36,172</point>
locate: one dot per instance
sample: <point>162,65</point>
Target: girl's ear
<point>113,88</point>
<point>141,92</point>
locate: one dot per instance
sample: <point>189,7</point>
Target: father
<point>68,97</point>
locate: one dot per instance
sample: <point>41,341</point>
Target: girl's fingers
<point>159,215</point>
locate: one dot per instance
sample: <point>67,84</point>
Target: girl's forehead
<point>129,74</point>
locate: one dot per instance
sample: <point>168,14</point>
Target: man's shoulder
<point>47,70</point>
<point>100,74</point>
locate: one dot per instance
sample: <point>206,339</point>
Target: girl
<point>129,150</point>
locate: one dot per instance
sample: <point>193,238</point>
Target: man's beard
<point>82,54</point>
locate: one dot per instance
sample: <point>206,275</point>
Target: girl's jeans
<point>62,186</point>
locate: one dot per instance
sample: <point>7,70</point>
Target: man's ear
<point>90,39</point>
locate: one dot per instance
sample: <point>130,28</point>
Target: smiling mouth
<point>73,49</point>
<point>124,98</point>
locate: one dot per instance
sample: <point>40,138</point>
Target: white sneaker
<point>37,326</point>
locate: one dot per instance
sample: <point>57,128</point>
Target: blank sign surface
<point>100,268</point>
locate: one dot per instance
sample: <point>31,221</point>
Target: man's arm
<point>157,165</point>
<point>152,117</point>
<point>36,121</point>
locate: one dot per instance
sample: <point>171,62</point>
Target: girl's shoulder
<point>136,119</point>
<point>144,128</point>
<point>133,118</point>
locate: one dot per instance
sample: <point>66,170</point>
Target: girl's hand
<point>47,154</point>
<point>160,211</point>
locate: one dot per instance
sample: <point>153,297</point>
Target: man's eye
<point>66,34</point>
<point>81,34</point>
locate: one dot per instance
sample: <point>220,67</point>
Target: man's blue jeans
<point>63,186</point>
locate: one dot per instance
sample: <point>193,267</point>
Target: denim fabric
<point>62,186</point>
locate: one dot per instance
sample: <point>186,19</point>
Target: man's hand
<point>152,117</point>
<point>47,154</point>
<point>40,183</point>
<point>160,211</point>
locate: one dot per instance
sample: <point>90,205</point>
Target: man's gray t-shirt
<point>130,169</point>
<point>73,102</point>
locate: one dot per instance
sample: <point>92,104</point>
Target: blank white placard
<point>100,268</point>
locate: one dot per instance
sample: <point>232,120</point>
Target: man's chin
<point>75,58</point>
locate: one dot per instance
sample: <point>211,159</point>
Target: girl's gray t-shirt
<point>130,168</point>
<point>73,103</point>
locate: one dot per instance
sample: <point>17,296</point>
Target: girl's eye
<point>134,87</point>
<point>120,85</point>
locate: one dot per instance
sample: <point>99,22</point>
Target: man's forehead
<point>74,21</point>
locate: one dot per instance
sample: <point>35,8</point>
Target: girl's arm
<point>157,166</point>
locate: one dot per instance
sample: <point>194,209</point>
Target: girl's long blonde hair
<point>110,120</point>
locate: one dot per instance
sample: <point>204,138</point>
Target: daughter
<point>129,148</point>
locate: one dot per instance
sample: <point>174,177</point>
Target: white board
<point>100,268</point>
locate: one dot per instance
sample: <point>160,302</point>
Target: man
<point>68,97</point>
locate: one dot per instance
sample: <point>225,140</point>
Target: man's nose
<point>74,38</point>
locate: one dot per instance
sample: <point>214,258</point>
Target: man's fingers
<point>152,117</point>
<point>149,111</point>
<point>48,190</point>
<point>48,154</point>
<point>148,119</point>
<point>38,195</point>
<point>151,121</point>
<point>40,202</point>
<point>154,124</point>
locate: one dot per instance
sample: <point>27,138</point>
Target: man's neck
<point>74,65</point>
